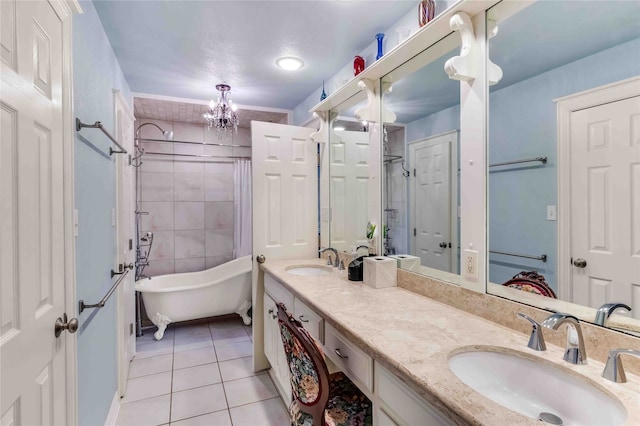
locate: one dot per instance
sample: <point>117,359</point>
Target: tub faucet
<point>336,262</point>
<point>574,352</point>
<point>613,370</point>
<point>605,311</point>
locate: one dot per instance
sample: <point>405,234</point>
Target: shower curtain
<point>242,240</point>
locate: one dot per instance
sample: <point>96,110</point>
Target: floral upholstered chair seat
<point>332,398</point>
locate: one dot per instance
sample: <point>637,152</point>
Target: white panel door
<point>32,214</point>
<point>431,195</point>
<point>125,232</point>
<point>349,188</point>
<point>605,204</point>
<point>285,206</point>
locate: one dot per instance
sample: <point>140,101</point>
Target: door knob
<point>62,324</point>
<point>260,258</point>
<point>579,263</point>
<point>443,245</point>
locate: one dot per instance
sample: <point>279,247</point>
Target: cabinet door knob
<point>301,318</point>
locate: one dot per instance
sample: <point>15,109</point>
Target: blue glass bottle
<point>379,37</point>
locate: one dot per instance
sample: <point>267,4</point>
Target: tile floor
<point>200,373</point>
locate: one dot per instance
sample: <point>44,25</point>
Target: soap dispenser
<point>356,269</point>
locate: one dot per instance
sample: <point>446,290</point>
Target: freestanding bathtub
<point>223,289</point>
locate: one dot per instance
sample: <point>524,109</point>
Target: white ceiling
<point>184,48</point>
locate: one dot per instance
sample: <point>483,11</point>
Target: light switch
<point>551,213</point>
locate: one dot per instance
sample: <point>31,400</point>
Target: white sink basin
<point>309,270</point>
<point>533,387</point>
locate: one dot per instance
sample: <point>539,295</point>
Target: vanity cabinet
<point>273,347</point>
<point>350,359</point>
<point>394,404</point>
<point>399,405</point>
<point>274,350</point>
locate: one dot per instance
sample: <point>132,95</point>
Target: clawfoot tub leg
<point>243,311</point>
<point>161,322</point>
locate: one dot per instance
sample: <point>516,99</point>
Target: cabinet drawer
<point>309,319</point>
<point>350,359</point>
<point>383,419</point>
<point>278,292</point>
<point>403,404</point>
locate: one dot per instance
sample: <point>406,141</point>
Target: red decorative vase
<point>426,11</point>
<point>358,65</point>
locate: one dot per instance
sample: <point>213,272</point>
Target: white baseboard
<point>114,410</point>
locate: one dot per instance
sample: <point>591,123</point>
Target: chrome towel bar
<point>542,257</point>
<point>82,306</point>
<point>98,125</point>
<point>543,160</point>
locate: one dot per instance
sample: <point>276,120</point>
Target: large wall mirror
<point>420,163</point>
<point>565,205</point>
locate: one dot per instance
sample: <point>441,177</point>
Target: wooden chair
<point>319,398</point>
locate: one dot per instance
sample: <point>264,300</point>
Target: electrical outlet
<point>471,264</point>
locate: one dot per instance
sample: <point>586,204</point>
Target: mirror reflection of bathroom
<point>349,170</point>
<point>420,163</point>
<point>562,157</point>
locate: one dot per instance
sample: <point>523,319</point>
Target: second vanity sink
<point>309,270</point>
<point>536,389</point>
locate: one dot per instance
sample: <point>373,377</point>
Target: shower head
<point>168,134</point>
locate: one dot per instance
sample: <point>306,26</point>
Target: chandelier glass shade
<point>222,115</point>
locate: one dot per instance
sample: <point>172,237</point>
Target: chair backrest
<point>309,374</point>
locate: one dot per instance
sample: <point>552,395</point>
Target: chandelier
<point>223,115</point>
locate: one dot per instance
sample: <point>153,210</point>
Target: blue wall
<point>522,124</point>
<point>96,74</point>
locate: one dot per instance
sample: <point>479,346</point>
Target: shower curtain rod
<point>241,157</point>
<point>192,143</point>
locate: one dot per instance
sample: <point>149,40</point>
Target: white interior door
<point>285,206</point>
<point>34,232</point>
<point>125,231</point>
<point>349,188</point>
<point>431,194</point>
<point>605,204</point>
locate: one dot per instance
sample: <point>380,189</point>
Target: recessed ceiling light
<point>289,63</point>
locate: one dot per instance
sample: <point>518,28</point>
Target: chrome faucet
<point>605,311</point>
<point>613,370</point>
<point>361,246</point>
<point>536,339</point>
<point>336,263</point>
<point>574,352</point>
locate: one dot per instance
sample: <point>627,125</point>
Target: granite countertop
<point>414,336</point>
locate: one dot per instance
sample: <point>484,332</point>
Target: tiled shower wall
<point>397,185</point>
<point>189,200</point>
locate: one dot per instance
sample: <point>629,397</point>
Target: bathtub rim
<point>139,285</point>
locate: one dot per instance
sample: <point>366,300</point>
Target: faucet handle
<point>536,339</point>
<point>341,266</point>
<point>329,260</point>
<point>613,369</point>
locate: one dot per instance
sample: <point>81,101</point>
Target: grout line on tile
<point>226,400</point>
